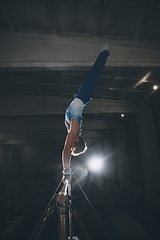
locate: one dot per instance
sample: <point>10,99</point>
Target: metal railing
<point>63,202</point>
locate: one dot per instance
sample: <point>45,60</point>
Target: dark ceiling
<point>122,20</point>
<point>134,19</point>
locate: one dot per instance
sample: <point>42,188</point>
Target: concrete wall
<point>149,153</point>
<point>122,156</point>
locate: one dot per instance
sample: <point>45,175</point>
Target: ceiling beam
<point>99,18</point>
<point>51,52</point>
<point>109,83</point>
<point>28,105</point>
<point>50,13</point>
<point>7,15</point>
<point>48,123</point>
<point>135,83</point>
<point>44,136</point>
<point>37,84</point>
<point>144,18</point>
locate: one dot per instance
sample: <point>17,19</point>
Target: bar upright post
<point>70,213</point>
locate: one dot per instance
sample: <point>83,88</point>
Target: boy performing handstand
<point>74,143</point>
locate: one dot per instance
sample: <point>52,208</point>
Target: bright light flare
<point>81,175</point>
<point>95,164</point>
<point>155,87</point>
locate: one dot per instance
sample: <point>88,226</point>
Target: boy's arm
<point>66,154</point>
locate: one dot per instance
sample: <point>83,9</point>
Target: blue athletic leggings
<point>87,87</point>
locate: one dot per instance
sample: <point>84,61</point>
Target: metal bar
<point>43,218</point>
<point>70,214</point>
<point>62,222</point>
<point>62,204</point>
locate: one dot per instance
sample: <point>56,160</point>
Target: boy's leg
<point>87,87</point>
